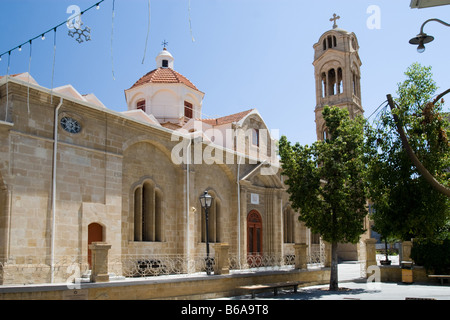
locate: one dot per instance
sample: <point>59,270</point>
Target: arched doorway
<point>95,234</point>
<point>254,238</point>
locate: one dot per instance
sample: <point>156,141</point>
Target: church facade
<point>73,172</point>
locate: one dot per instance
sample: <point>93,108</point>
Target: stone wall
<point>201,287</point>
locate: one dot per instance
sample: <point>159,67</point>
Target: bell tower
<point>337,71</point>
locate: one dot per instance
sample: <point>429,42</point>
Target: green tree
<point>405,204</point>
<point>325,182</point>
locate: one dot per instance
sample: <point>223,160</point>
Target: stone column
<point>371,258</point>
<point>99,252</point>
<point>242,254</point>
<point>221,265</point>
<point>406,250</point>
<point>300,255</point>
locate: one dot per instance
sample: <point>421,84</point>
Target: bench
<point>275,286</point>
<point>440,277</point>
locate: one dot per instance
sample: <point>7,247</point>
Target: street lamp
<point>422,38</point>
<point>206,201</point>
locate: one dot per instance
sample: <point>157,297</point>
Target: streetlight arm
<point>434,19</point>
<point>440,96</point>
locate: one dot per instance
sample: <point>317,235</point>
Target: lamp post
<point>206,201</point>
<point>422,38</point>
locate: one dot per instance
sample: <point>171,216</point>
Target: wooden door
<point>95,234</point>
<point>254,238</point>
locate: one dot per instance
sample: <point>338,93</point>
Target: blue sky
<point>246,54</point>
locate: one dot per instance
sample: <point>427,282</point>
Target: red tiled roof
<point>164,75</point>
<point>227,119</point>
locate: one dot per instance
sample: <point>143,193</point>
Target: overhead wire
<point>148,32</point>
<point>112,37</point>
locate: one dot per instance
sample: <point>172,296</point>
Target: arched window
<point>324,85</point>
<point>340,86</point>
<point>140,105</point>
<point>148,208</point>
<point>331,82</point>
<point>329,42</point>
<point>188,110</point>
<point>255,137</point>
<point>325,134</point>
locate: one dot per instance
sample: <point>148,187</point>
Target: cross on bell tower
<point>334,19</point>
<point>337,74</point>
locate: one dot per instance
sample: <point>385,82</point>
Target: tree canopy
<point>325,181</point>
<point>405,204</point>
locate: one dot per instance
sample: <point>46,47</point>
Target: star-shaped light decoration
<point>79,33</point>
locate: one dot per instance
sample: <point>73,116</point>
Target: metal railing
<point>67,269</point>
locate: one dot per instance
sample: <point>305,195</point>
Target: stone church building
<point>73,172</point>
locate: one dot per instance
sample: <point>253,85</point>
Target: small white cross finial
<point>334,19</point>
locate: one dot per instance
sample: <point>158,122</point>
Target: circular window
<point>70,125</point>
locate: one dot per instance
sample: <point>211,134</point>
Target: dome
<point>164,75</point>
<point>165,53</point>
<point>340,30</point>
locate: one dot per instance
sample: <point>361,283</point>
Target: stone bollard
<point>221,265</point>
<point>406,250</point>
<point>371,255</point>
<point>99,251</point>
<point>300,255</point>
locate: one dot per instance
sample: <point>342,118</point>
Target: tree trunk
<point>334,286</point>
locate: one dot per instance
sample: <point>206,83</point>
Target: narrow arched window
<point>331,82</point>
<point>158,216</point>
<point>188,110</point>
<point>340,82</point>
<point>330,41</point>
<point>148,213</point>
<point>255,137</point>
<point>324,85</point>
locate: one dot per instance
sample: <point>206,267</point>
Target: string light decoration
<point>42,34</point>
<point>78,33</point>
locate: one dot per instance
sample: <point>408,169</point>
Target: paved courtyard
<point>353,287</point>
